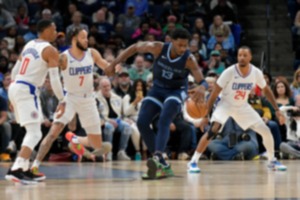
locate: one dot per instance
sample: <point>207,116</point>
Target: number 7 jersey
<point>236,88</point>
<point>78,75</point>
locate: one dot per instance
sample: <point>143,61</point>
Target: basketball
<point>195,110</point>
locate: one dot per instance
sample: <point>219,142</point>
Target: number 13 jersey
<point>236,88</point>
<point>78,75</point>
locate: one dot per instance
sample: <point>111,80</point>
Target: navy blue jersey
<point>168,73</point>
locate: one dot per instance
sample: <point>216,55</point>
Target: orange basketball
<point>195,110</point>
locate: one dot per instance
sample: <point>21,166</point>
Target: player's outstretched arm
<point>198,93</point>
<point>99,60</point>
<point>270,96</point>
<point>140,47</point>
<point>51,56</point>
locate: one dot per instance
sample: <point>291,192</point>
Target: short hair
<point>43,24</point>
<point>180,33</point>
<point>246,47</point>
<point>74,32</point>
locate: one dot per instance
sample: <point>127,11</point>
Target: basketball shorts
<point>245,116</point>
<point>24,98</point>
<point>85,107</point>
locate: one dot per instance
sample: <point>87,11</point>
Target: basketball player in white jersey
<point>235,84</point>
<point>76,66</point>
<point>37,59</point>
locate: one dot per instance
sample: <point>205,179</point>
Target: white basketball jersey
<point>78,76</point>
<point>33,67</point>
<point>236,88</point>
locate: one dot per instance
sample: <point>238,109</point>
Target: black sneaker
<point>18,176</point>
<point>35,176</point>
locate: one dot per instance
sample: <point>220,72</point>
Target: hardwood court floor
<point>121,180</point>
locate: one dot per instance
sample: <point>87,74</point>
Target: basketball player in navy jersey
<point>173,63</point>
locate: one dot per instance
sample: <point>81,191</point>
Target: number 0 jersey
<point>78,75</point>
<point>33,68</point>
<point>236,88</point>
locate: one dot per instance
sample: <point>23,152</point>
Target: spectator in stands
<point>3,67</point>
<point>32,33</point>
<point>198,8</point>
<point>49,103</point>
<point>12,6</point>
<point>224,10</point>
<point>219,26</point>
<point>215,64</point>
<point>291,147</point>
<point>295,86</point>
<point>111,109</point>
<point>199,27</point>
<point>172,23</point>
<point>201,45</point>
<point>22,18</point>
<point>5,130</point>
<point>76,22</point>
<point>141,6</point>
<point>148,61</point>
<point>296,27</point>
<point>177,12</point>
<point>61,43</point>
<point>143,30</point>
<point>219,37</point>
<point>283,97</point>
<point>129,21</point>
<point>11,37</point>
<point>138,70</point>
<point>131,107</point>
<point>6,20</point>
<point>104,28</point>
<point>123,83</point>
<point>233,143</point>
<point>5,84</point>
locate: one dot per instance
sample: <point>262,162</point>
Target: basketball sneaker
<point>18,176</point>
<point>36,174</point>
<point>193,168</point>
<point>75,147</point>
<point>275,165</point>
<point>156,170</point>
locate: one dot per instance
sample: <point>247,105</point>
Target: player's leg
<point>149,109</point>
<point>46,144</point>
<point>261,128</point>
<point>136,139</point>
<point>219,118</point>
<point>90,121</point>
<point>247,117</point>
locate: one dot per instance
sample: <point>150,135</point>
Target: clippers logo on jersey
<point>74,71</point>
<point>241,90</point>
<point>31,51</point>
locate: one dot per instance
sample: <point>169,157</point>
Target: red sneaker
<point>76,148</point>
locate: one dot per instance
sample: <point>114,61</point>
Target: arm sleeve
<point>56,83</point>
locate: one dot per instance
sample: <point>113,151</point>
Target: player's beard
<point>243,65</point>
<point>80,46</point>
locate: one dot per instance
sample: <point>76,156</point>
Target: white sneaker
<point>193,168</point>
<point>122,155</point>
<point>12,148</point>
<point>275,165</point>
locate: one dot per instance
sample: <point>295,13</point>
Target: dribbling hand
<point>197,94</point>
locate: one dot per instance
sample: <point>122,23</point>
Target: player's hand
<point>197,94</point>
<point>60,109</point>
<point>172,127</point>
<point>280,117</point>
<point>110,70</point>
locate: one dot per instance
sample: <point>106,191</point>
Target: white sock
<point>196,157</point>
<point>36,163</point>
<point>270,156</point>
<point>20,163</point>
<point>75,139</point>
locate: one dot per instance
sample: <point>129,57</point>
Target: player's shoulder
<point>255,69</point>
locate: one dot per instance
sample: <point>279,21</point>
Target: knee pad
<point>33,135</point>
<point>213,130</point>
